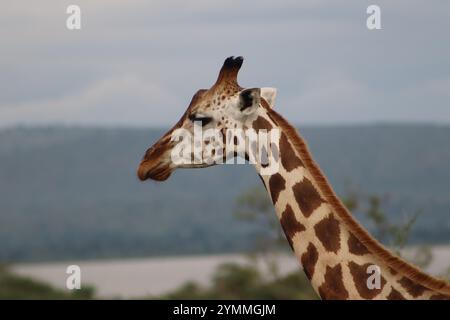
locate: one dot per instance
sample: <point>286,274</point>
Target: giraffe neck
<point>336,253</point>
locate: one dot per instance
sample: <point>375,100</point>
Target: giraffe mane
<point>359,232</point>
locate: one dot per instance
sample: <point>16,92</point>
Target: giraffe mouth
<point>195,166</point>
<point>161,173</point>
<point>158,173</point>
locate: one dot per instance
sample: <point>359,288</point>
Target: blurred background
<point>78,109</point>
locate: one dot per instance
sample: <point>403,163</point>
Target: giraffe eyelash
<point>200,118</point>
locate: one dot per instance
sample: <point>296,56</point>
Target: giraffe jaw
<point>162,173</point>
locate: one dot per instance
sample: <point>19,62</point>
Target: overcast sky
<point>138,63</point>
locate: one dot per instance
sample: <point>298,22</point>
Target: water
<point>153,276</point>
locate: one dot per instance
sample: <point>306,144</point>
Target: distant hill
<point>72,192</point>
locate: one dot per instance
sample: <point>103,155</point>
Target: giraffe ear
<point>249,100</point>
<point>269,94</point>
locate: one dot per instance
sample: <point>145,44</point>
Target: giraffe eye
<point>200,118</point>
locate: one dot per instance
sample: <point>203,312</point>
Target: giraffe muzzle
<point>157,172</point>
<point>154,165</point>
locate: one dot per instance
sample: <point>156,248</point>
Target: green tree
<point>254,207</point>
<point>393,235</point>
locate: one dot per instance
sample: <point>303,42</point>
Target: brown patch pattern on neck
<point>395,295</point>
<point>276,185</point>
<point>392,271</point>
<point>328,232</point>
<point>290,224</point>
<point>307,197</point>
<point>261,123</point>
<point>309,260</point>
<point>289,160</point>
<point>333,288</point>
<point>414,289</point>
<point>355,246</point>
<point>360,276</point>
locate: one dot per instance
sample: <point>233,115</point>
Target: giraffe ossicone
<point>338,255</point>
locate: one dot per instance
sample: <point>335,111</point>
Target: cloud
<point>327,66</point>
<point>114,101</point>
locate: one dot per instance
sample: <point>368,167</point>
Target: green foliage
<point>21,288</point>
<point>394,235</point>
<point>254,207</point>
<point>234,281</point>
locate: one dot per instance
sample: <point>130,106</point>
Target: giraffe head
<point>210,115</point>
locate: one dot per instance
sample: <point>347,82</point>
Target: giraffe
<point>337,254</point>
